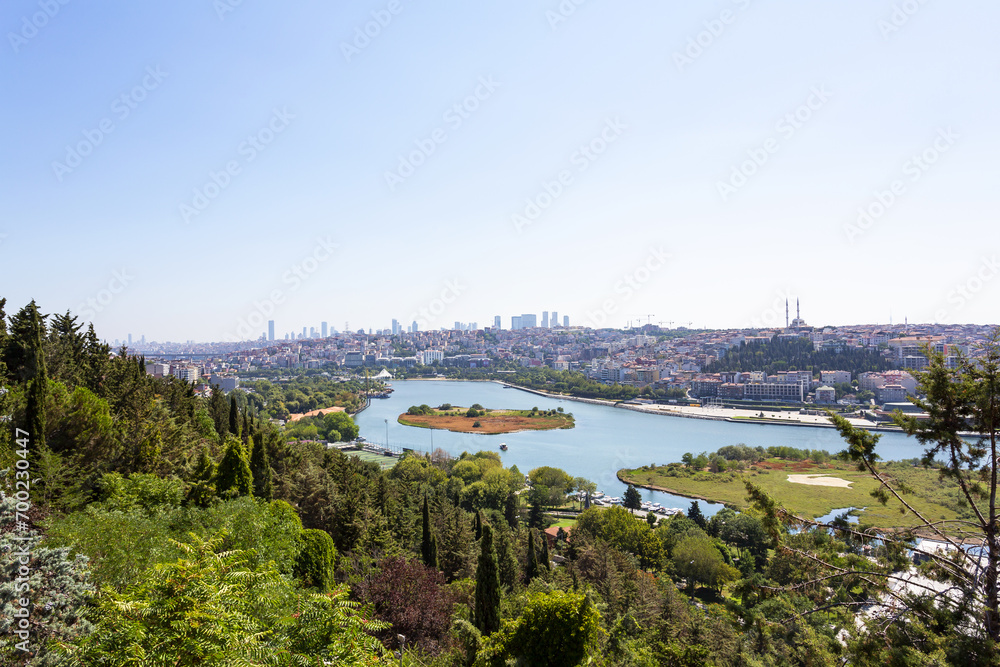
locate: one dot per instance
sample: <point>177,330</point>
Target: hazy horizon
<point>177,171</point>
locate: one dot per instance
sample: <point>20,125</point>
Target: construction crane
<point>649,317</point>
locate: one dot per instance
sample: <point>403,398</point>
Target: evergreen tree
<point>202,488</point>
<point>245,430</point>
<point>535,516</point>
<point>3,342</point>
<point>506,560</point>
<point>632,500</point>
<point>510,511</point>
<point>65,350</point>
<point>427,554</point>
<point>544,558</point>
<point>487,611</point>
<point>317,559</point>
<point>478,525</point>
<point>95,362</point>
<point>234,417</point>
<point>234,476</point>
<point>532,569</point>
<point>260,468</point>
<point>694,513</point>
<point>217,410</point>
<point>25,359</point>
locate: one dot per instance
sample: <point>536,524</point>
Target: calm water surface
<point>604,440</point>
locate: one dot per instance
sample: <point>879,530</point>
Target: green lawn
<point>934,498</point>
<point>565,523</point>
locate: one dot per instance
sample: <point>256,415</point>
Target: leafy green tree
<point>210,608</point>
<point>632,500</point>
<point>697,560</point>
<point>340,424</point>
<point>317,560</point>
<point>556,628</point>
<point>487,597</point>
<point>234,476</point>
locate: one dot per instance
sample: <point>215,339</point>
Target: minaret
<point>786,312</point>
<point>797,316</point>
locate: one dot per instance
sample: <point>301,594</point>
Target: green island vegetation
<point>721,476</point>
<point>477,419</point>
<point>284,395</point>
<point>151,525</point>
<point>789,354</point>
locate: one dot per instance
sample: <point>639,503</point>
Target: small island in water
<point>477,419</point>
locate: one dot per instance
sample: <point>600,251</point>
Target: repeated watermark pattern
<point>899,16</point>
<point>630,283</point>
<point>712,30</point>
<point>31,25</point>
<point>89,308</point>
<point>364,34</point>
<point>454,117</point>
<point>582,158</point>
<point>966,290</point>
<point>433,311</point>
<point>562,13</point>
<point>121,107</point>
<point>291,279</point>
<point>775,314</point>
<point>248,151</point>
<point>913,170</point>
<point>786,127</point>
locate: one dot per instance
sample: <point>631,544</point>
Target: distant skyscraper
<point>270,329</point>
<point>554,322</point>
<point>323,327</point>
<point>414,326</point>
<point>496,322</point>
<point>566,321</point>
<point>515,322</point>
<point>529,320</point>
<point>395,327</point>
<point>303,332</point>
<point>130,339</point>
<point>545,319</point>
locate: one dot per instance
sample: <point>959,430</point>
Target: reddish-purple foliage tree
<point>414,598</point>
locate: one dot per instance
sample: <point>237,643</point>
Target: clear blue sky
<point>832,100</point>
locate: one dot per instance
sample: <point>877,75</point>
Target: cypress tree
<point>506,560</point>
<point>234,417</point>
<point>260,468</point>
<point>545,552</point>
<point>25,359</point>
<point>427,538</point>
<point>510,511</point>
<point>317,559</point>
<point>433,551</point>
<point>234,476</point>
<point>532,570</point>
<point>487,611</point>
<point>535,515</point>
<point>245,431</point>
<point>479,525</point>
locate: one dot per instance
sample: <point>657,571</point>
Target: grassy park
<point>809,489</point>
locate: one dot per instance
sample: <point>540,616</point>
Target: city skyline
<point>180,170</point>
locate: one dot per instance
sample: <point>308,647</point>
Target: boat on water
<point>503,446</point>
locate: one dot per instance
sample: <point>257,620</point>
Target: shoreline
<point>729,414</point>
<point>661,489</point>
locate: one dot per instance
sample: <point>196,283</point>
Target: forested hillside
<point>791,354</point>
<point>142,524</point>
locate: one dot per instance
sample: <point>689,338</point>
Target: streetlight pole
<point>387,434</point>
